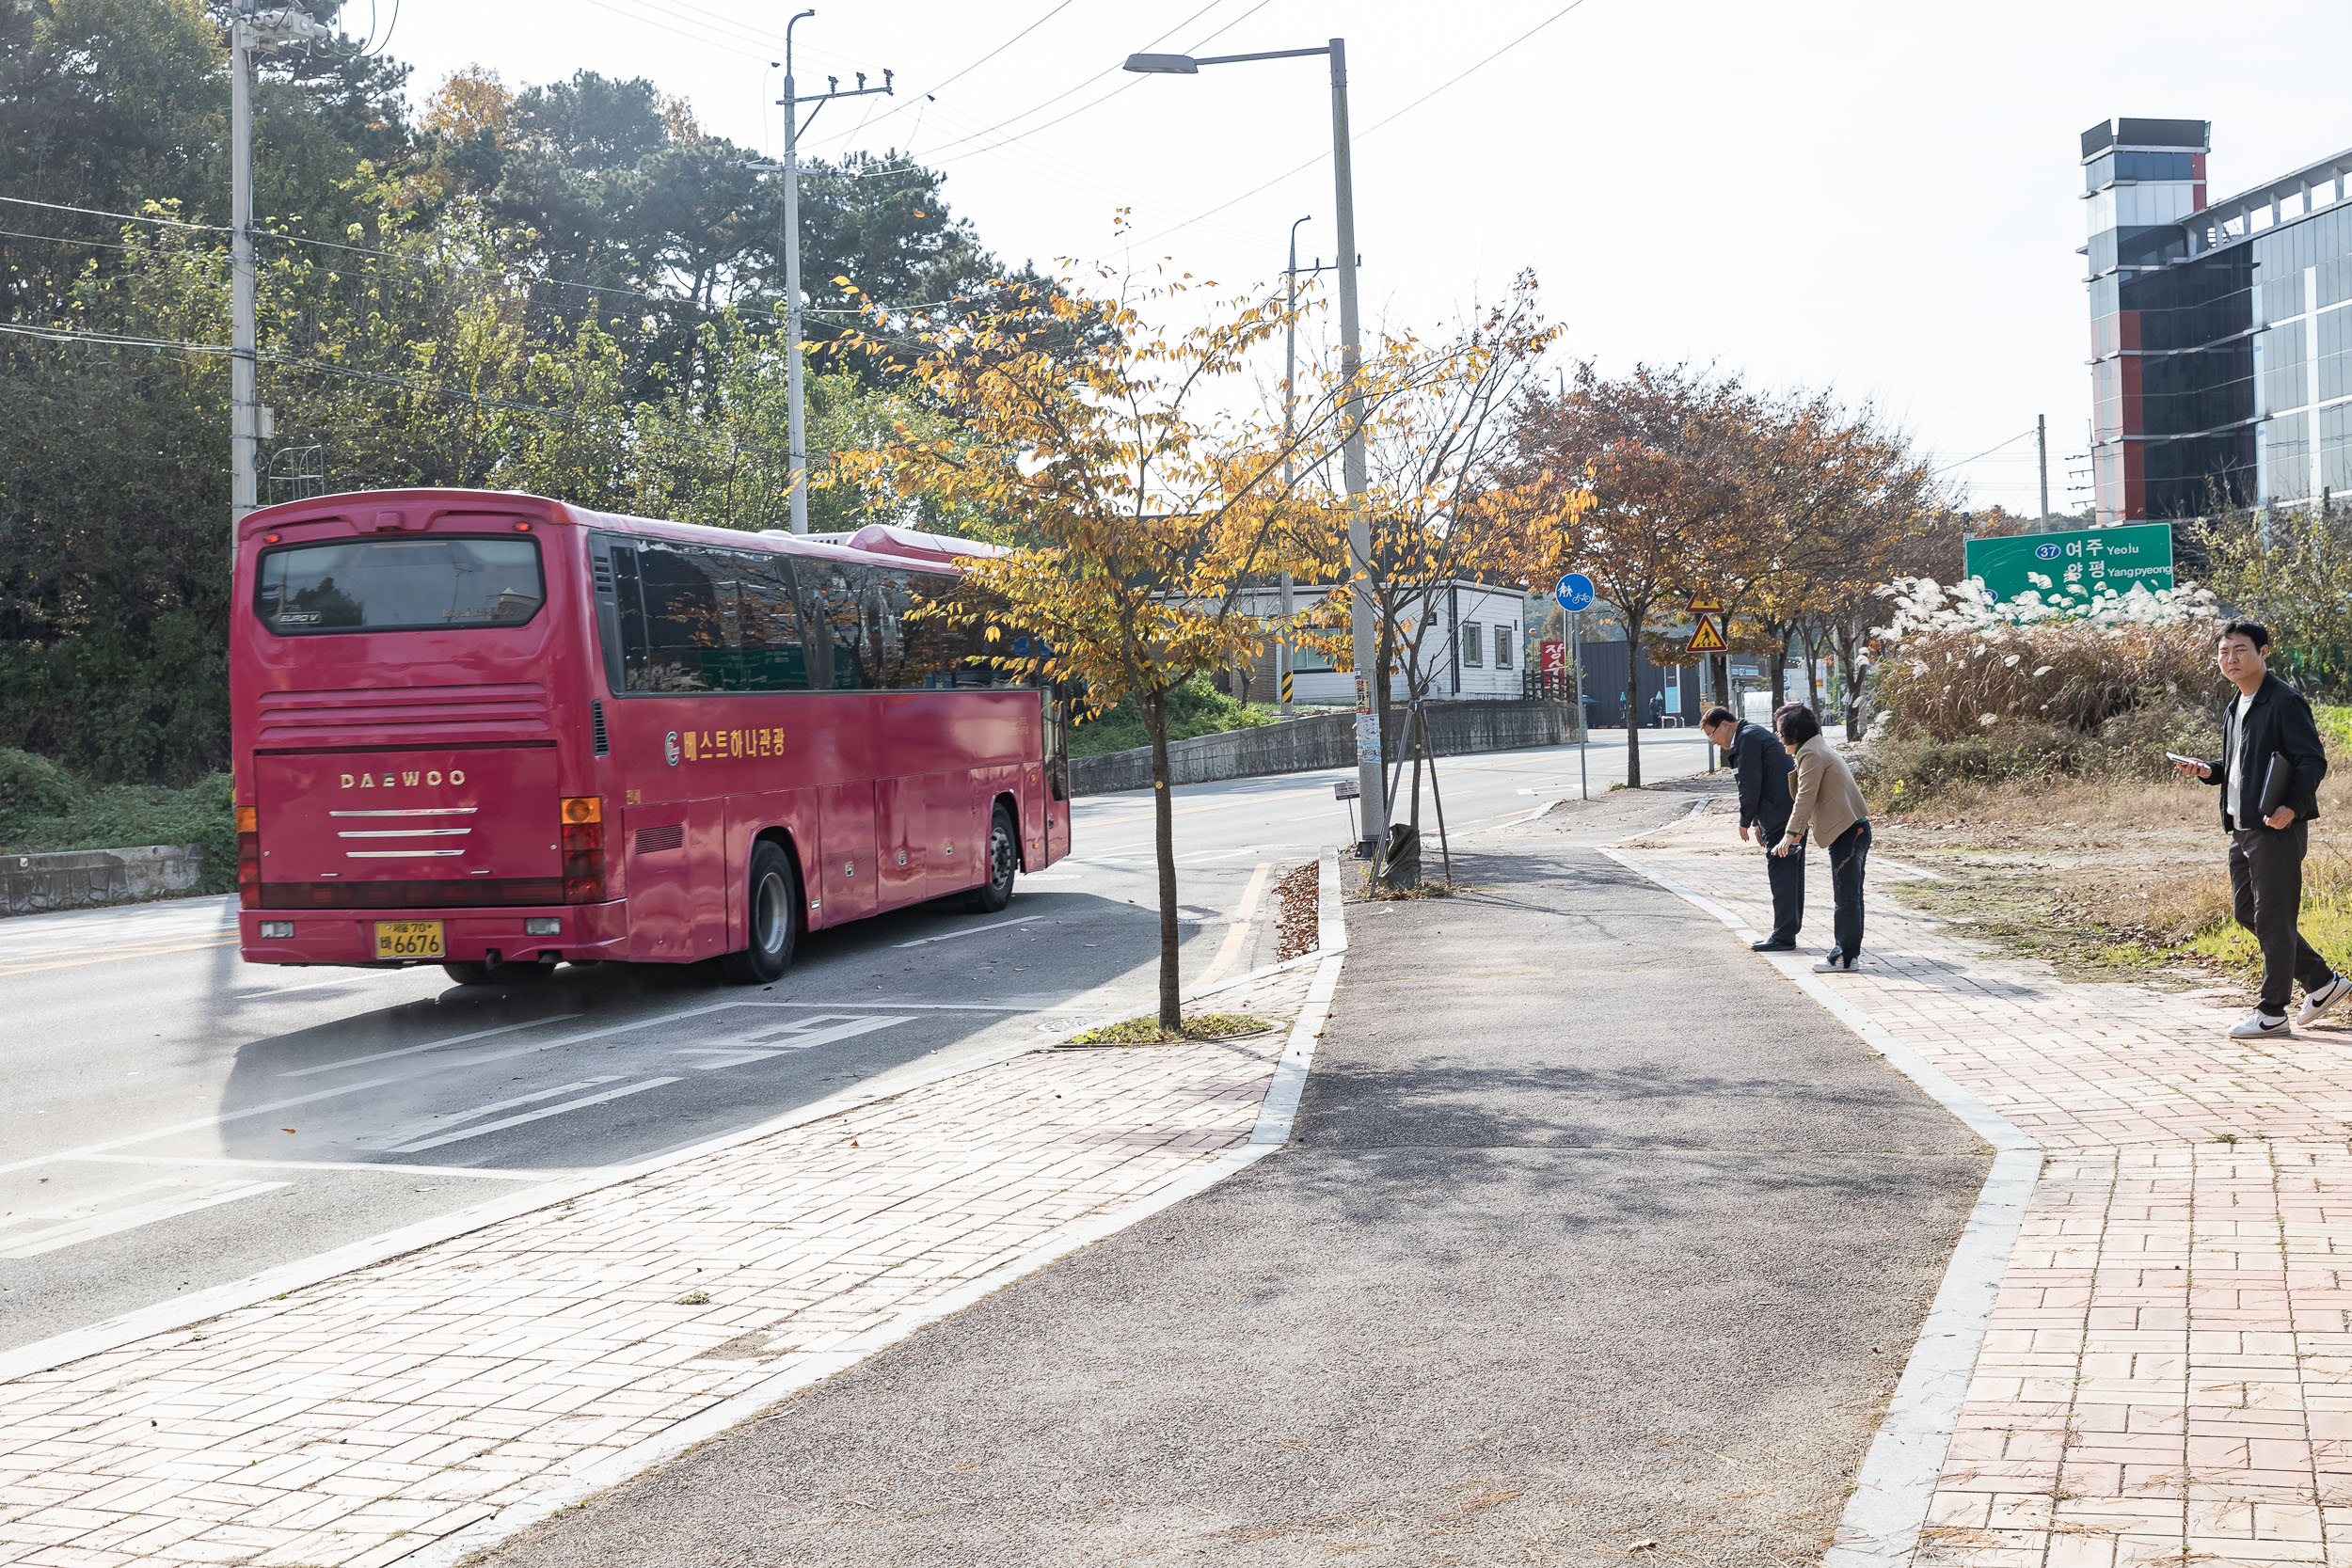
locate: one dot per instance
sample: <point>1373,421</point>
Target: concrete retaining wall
<point>77,878</point>
<point>1324,741</point>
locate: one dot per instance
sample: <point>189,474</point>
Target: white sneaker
<point>2260,1026</point>
<point>1837,964</point>
<point>2327,996</point>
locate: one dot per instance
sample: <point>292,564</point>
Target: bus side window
<point>685,637</point>
<point>771,656</point>
<point>836,596</point>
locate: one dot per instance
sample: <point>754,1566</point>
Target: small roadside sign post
<point>1706,637</point>
<point>1351,791</point>
<point>1574,594</point>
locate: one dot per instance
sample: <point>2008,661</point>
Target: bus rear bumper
<point>584,933</point>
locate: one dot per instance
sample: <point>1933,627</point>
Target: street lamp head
<point>1164,64</point>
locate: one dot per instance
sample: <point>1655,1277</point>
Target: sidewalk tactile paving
<point>2166,1375</point>
<point>361,1418</point>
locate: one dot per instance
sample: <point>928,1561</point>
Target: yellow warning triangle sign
<point>1703,603</point>
<point>1706,637</point>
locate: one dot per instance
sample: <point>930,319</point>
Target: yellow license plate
<point>408,939</point>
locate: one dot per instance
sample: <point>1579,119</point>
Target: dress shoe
<point>1769,945</point>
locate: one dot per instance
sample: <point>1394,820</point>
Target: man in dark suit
<point>2269,723</point>
<point>1760,763</point>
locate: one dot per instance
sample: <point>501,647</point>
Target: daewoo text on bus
<point>498,733</point>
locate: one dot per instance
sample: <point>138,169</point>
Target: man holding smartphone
<point>2269,771</point>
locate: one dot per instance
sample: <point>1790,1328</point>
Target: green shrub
<point>46,807</point>
<point>1194,708</point>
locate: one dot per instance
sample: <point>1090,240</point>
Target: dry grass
<point>1955,682</point>
<point>2112,876</point>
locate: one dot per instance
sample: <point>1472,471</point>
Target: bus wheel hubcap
<point>770,904</point>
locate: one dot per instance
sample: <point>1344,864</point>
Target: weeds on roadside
<point>1145,1030</point>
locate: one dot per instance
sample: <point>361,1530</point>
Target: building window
<point>1503,646</point>
<point>1473,644</point>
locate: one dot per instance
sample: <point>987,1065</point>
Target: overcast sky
<point>1879,198</point>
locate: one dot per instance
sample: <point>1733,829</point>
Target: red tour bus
<point>497,733</point>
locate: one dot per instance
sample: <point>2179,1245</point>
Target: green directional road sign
<point>2079,563</point>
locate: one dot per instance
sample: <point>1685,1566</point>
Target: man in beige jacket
<point>1829,806</point>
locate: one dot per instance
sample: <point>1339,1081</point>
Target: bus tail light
<point>583,818</point>
<point>248,858</point>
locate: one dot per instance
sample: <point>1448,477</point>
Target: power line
<point>1040,108</point>
<point>1987,452</point>
<point>1377,125</point>
<point>124,217</point>
<point>960,75</point>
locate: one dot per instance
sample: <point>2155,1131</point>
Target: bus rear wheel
<point>1004,859</point>
<point>772,916</point>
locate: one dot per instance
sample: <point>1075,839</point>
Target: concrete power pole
<point>796,418</point>
<point>1282,652</point>
<point>2042,443</point>
<point>248,30</point>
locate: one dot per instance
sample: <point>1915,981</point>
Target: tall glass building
<point>2220,332</point>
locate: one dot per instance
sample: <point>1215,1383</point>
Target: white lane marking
<point>229,1163</point>
<point>195,1124</point>
<point>969,931</point>
<point>499,1126</point>
<point>801,1034</point>
<point>1051,876</point>
<point>429,1045</point>
<point>1231,949</point>
<point>440,1121</point>
<point>288,990</point>
<point>90,1227</point>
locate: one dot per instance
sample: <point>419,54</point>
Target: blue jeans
<point>1848,853</point>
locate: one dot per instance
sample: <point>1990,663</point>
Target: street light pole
<point>796,418</point>
<point>1362,619</point>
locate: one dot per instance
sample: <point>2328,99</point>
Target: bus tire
<point>771,919</point>
<point>1004,860</point>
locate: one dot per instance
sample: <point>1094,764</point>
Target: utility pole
<point>2041,442</point>
<point>248,29</point>
<point>797,417</point>
<point>1282,657</point>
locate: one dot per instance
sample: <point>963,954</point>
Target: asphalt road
<point>1595,1237</point>
<point>181,1119</point>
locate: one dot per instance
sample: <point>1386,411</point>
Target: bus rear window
<point>399,585</point>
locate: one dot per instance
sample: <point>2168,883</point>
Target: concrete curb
<point>1884,1517</point>
<point>1271,1132</point>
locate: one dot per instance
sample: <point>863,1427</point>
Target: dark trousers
<point>1785,872</point>
<point>1848,853</point>
<point>2267,888</point>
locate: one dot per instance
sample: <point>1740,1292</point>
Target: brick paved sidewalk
<point>2168,1374</point>
<point>367,1417</point>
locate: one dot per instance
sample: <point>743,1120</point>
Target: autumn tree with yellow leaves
<point>1141,506</point>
